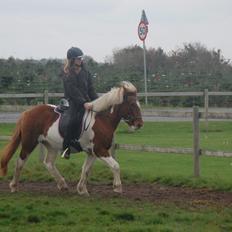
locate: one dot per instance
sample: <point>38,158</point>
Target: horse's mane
<point>113,97</point>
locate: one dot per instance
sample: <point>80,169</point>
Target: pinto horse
<point>41,125</point>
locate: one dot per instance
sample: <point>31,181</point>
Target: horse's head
<point>130,108</point>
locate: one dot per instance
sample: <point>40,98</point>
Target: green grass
<point>27,212</point>
<point>6,128</point>
<point>169,134</point>
<point>60,212</point>
<point>136,167</point>
<point>179,134</point>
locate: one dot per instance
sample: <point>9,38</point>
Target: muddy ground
<point>153,193</point>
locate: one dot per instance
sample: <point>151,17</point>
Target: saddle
<point>63,110</point>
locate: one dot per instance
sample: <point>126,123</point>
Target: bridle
<point>129,118</point>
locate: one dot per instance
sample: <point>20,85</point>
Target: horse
<point>40,125</point>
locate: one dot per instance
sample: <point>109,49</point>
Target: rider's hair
<point>68,65</point>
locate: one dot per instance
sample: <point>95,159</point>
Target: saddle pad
<point>63,122</point>
<point>65,117</point>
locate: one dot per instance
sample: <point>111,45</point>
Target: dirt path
<point>137,192</point>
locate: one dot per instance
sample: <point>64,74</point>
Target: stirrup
<point>66,154</point>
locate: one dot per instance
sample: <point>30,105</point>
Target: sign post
<point>142,33</point>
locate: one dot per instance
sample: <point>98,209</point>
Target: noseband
<point>130,118</point>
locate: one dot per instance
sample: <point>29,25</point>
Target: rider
<point>79,91</point>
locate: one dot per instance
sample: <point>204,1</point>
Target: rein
<point>86,127</point>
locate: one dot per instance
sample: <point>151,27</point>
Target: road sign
<point>142,33</point>
<point>142,30</point>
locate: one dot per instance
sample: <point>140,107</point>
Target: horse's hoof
<point>13,188</point>
<point>83,192</point>
<point>118,189</point>
<point>63,188</point>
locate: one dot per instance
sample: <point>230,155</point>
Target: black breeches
<point>73,130</point>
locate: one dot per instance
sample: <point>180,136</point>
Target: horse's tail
<point>10,148</point>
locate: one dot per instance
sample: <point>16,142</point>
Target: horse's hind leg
<point>25,152</point>
<point>49,162</point>
<point>29,142</point>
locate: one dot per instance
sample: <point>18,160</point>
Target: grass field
<point>27,212</point>
<point>44,212</point>
<point>179,134</point>
<point>169,134</point>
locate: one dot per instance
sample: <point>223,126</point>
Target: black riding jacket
<point>78,88</point>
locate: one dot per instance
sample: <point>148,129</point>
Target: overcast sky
<point>47,28</point>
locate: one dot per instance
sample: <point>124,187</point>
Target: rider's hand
<point>88,106</point>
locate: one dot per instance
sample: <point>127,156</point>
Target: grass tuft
<point>124,217</point>
<point>33,219</point>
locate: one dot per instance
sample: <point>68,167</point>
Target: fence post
<point>196,141</point>
<point>45,96</point>
<point>206,104</point>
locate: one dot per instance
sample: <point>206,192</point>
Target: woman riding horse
<point>79,91</point>
<point>41,125</point>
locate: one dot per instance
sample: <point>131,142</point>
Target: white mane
<point>113,97</point>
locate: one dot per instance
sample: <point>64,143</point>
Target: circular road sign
<point>142,30</point>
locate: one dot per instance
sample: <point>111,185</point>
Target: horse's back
<point>39,118</point>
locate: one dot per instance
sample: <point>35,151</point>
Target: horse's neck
<point>112,118</point>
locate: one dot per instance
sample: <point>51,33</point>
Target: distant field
<point>169,134</point>
<point>179,134</point>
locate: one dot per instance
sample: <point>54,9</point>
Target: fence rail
<point>150,94</point>
<point>204,94</point>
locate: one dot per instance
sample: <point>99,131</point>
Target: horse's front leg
<point>113,164</point>
<point>81,187</point>
<point>49,162</point>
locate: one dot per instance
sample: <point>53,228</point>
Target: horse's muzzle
<point>138,124</point>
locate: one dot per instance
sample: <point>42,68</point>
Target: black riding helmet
<point>74,52</point>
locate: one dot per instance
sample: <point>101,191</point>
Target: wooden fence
<point>205,94</point>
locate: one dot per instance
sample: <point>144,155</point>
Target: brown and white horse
<point>40,125</point>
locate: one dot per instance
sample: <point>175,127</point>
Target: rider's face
<point>78,61</point>
<point>77,64</point>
